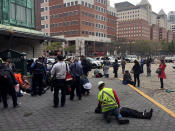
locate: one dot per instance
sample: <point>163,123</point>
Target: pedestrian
<point>127,78</point>
<point>110,103</point>
<point>59,72</point>
<point>77,72</point>
<point>148,65</point>
<point>38,75</point>
<point>85,65</point>
<point>106,67</point>
<point>115,67</point>
<point>123,63</point>
<point>7,84</point>
<point>142,62</point>
<point>162,74</point>
<point>136,70</point>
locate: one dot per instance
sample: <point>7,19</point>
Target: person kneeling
<point>127,78</point>
<point>110,103</point>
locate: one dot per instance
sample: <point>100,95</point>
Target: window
<point>12,8</point>
<point>76,2</point>
<point>21,13</point>
<point>42,17</point>
<point>42,9</point>
<point>68,4</point>
<point>41,1</point>
<point>42,26</point>
<point>82,3</point>
<point>76,12</point>
<point>72,3</point>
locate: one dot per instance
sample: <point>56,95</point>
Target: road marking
<point>152,100</point>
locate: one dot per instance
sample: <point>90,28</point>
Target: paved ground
<point>151,85</point>
<point>37,113</point>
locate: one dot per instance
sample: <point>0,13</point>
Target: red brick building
<point>154,32</point>
<point>88,24</point>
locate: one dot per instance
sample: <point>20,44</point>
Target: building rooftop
<point>144,2</point>
<point>123,6</point>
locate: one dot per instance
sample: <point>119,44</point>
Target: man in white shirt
<point>59,72</point>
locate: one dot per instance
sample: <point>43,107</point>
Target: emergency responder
<point>110,103</point>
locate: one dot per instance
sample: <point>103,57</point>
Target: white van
<point>131,58</point>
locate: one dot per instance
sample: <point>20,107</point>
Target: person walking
<point>76,71</point>
<point>38,74</point>
<point>7,84</point>
<point>142,62</point>
<point>162,75</point>
<point>123,63</point>
<point>110,103</point>
<point>148,65</point>
<point>85,65</point>
<point>136,70</point>
<point>59,72</point>
<point>106,67</point>
<point>115,67</point>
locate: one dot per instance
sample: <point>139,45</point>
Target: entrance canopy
<point>27,33</point>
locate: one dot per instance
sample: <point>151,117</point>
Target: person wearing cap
<point>59,71</point>
<point>38,74</point>
<point>110,103</point>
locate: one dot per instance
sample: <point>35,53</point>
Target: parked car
<point>95,63</point>
<point>130,58</point>
<point>173,66</point>
<point>169,59</point>
<point>101,59</point>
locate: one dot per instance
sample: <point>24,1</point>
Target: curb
<point>152,100</point>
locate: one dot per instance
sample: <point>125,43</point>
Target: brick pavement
<point>37,113</point>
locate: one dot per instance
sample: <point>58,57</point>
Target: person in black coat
<point>137,71</point>
<point>115,66</point>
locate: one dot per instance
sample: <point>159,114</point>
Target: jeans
<point>161,82</point>
<point>123,69</point>
<point>75,85</point>
<point>116,73</point>
<point>148,71</point>
<point>136,78</point>
<point>115,112</point>
<point>59,84</point>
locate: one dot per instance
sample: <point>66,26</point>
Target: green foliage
<point>54,46</point>
<point>70,49</point>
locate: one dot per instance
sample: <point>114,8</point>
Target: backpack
<point>4,75</point>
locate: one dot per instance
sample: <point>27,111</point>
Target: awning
<point>27,33</point>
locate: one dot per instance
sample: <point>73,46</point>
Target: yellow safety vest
<point>106,96</point>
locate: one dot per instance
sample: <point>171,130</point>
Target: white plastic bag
<point>87,86</point>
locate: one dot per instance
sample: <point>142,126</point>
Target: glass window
<point>21,13</point>
<point>12,9</point>
<point>72,3</point>
<point>76,2</point>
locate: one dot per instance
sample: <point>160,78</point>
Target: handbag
<point>68,75</point>
<point>159,71</point>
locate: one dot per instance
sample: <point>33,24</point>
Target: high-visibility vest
<point>106,96</point>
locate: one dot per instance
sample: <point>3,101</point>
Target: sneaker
<point>16,106</point>
<point>123,121</point>
<point>55,106</point>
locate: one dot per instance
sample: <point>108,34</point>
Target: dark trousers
<point>59,84</point>
<point>37,81</point>
<point>123,69</point>
<point>161,83</point>
<point>128,112</point>
<point>116,73</point>
<point>136,78</point>
<point>148,71</point>
<point>75,85</point>
<point>142,65</point>
<point>5,90</point>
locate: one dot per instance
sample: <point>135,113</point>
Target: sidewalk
<point>37,113</point>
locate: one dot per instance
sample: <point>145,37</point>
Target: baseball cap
<point>100,83</point>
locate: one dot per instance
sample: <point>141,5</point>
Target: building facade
<point>87,24</point>
<point>45,17</point>
<point>139,22</point>
<point>171,17</point>
<point>17,13</point>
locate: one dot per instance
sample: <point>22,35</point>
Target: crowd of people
<point>72,76</point>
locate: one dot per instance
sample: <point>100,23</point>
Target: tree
<point>55,46</point>
<point>70,49</point>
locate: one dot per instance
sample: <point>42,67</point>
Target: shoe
<point>123,121</point>
<point>6,106</point>
<point>16,106</point>
<point>148,115</point>
<point>55,106</point>
<point>62,105</point>
<point>79,98</point>
<point>108,120</point>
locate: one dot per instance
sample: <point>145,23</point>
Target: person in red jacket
<point>162,75</point>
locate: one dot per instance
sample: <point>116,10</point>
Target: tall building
<point>45,17</point>
<point>171,17</point>
<point>88,24</point>
<point>139,22</point>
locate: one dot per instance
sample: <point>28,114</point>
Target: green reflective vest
<point>106,96</point>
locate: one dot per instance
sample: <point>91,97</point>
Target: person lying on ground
<point>131,113</point>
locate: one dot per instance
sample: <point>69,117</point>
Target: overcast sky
<point>157,5</point>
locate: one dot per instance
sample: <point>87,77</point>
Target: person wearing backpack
<point>7,84</point>
<point>162,75</point>
<point>38,74</point>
